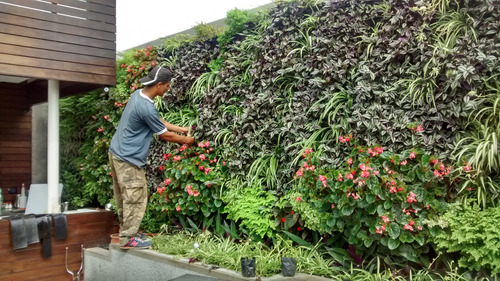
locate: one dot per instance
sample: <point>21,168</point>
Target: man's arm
<point>173,137</point>
<point>175,128</point>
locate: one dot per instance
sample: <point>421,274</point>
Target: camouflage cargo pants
<point>130,193</point>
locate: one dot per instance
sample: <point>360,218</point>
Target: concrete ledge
<point>118,264</point>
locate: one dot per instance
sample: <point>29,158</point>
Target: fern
<point>251,207</point>
<point>475,233</point>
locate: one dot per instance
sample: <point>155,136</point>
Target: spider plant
<point>304,44</point>
<point>451,25</point>
<point>207,80</point>
<point>370,41</point>
<point>185,116</point>
<point>330,105</point>
<point>420,90</point>
<point>480,150</point>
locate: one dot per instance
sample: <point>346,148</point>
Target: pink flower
<point>178,208</point>
<point>223,163</point>
<point>307,152</point>
<point>403,163</point>
<point>99,130</point>
<point>385,219</point>
<point>333,206</point>
<point>419,227</point>
<point>349,176</point>
<point>393,189</point>
<point>299,173</point>
<point>419,129</point>
<point>412,155</point>
<point>323,180</point>
<point>177,158</point>
<point>365,174</point>
<point>306,165</point>
<point>207,170</point>
<point>344,139</point>
<point>196,193</point>
<point>349,161</point>
<point>408,227</point>
<point>162,168</point>
<point>298,198</point>
<point>202,168</point>
<point>437,173</point>
<point>160,190</point>
<point>411,198</point>
<point>376,173</point>
<point>167,181</point>
<point>362,167</point>
<point>467,167</point>
<point>340,177</point>
<point>202,157</point>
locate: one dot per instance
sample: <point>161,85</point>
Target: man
<point>129,150</point>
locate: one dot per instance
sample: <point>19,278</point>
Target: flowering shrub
<point>378,197</point>
<point>134,66</point>
<point>192,182</point>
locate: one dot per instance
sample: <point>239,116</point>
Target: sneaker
<point>144,236</point>
<point>136,243</point>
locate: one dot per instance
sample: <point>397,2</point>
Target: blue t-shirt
<point>134,133</point>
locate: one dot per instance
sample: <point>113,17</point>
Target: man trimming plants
<point>129,150</point>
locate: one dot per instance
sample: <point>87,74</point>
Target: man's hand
<point>184,130</point>
<point>190,141</point>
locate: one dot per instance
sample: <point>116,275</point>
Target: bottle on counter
<point>22,198</point>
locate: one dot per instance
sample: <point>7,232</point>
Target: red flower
<point>283,220</point>
<point>298,228</point>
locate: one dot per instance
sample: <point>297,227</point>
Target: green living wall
<point>335,120</point>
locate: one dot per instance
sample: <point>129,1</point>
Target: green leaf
<point>297,239</point>
<point>388,204</point>
<point>426,158</point>
<point>217,203</point>
<point>420,239</point>
<point>370,198</point>
<point>394,230</point>
<point>347,210</point>
<point>368,241</point>
<point>393,244</point>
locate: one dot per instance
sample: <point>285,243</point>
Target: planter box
<point>117,264</point>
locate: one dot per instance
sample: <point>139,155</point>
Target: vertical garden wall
<point>356,123</point>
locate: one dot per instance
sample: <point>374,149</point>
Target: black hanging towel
<point>60,226</point>
<point>45,233</point>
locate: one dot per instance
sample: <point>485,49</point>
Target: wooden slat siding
<point>89,6</point>
<point>63,10</point>
<point>15,138</point>
<point>65,40</point>
<point>54,27</point>
<point>89,229</point>
<point>56,65</point>
<point>66,49</point>
<point>13,10</point>
<point>45,73</point>
<point>56,36</point>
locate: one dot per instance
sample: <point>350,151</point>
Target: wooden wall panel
<point>87,229</point>
<point>15,139</point>
<point>66,40</point>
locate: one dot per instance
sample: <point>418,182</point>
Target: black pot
<point>288,266</point>
<point>248,267</point>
